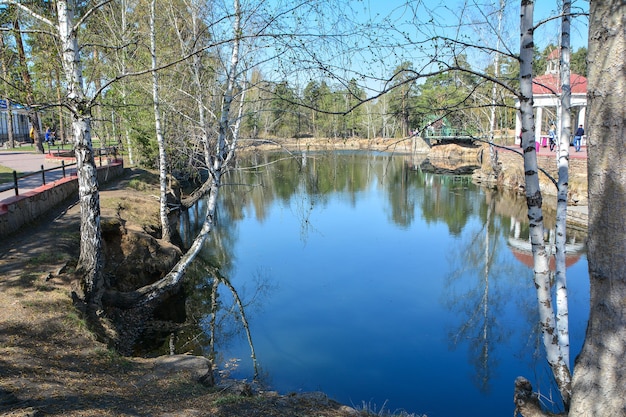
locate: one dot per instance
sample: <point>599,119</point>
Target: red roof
<point>527,259</point>
<point>551,84</point>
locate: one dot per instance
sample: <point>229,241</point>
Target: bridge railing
<point>446,132</point>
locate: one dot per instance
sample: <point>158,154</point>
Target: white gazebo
<point>547,94</point>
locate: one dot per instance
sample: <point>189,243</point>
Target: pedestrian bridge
<point>448,135</point>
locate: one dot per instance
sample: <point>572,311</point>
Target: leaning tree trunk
<point>90,261</point>
<point>600,374</point>
<point>534,201</point>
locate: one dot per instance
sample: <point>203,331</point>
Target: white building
<point>547,95</point>
<point>20,123</point>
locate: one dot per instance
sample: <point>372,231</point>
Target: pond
<point>383,285</point>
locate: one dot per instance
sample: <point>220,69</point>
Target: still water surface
<point>385,285</point>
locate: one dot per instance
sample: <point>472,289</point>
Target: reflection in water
<point>477,257</point>
<point>521,246</point>
<point>375,266</point>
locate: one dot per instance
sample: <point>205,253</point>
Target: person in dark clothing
<point>578,136</point>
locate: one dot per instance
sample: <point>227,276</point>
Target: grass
<point>369,409</point>
<point>137,184</point>
<point>112,357</point>
<point>6,174</point>
<point>24,148</point>
<point>229,399</point>
<point>44,258</point>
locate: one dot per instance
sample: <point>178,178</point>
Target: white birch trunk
<point>534,203</point>
<point>124,92</point>
<point>163,212</point>
<point>223,147</point>
<point>197,69</point>
<point>492,111</point>
<point>562,311</point>
<point>90,261</point>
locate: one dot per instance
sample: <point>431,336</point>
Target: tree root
<point>527,402</point>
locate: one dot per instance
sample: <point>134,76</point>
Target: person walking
<point>578,136</point>
<point>552,134</point>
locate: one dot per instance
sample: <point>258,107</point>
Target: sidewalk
<point>545,151</point>
<point>27,162</point>
<point>572,152</point>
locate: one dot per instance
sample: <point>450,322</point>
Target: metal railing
<point>446,132</point>
<point>42,172</point>
<point>112,150</point>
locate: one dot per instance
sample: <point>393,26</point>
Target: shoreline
<point>512,175</point>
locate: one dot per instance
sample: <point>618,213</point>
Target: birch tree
<point>600,371</point>
<point>66,30</point>
<point>163,211</point>
<point>562,311</point>
<point>90,261</point>
<point>553,344</point>
<point>144,300</point>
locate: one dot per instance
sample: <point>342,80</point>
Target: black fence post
<point>43,175</point>
<point>15,183</point>
<point>63,167</point>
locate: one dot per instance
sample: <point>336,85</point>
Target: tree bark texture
<point>600,373</point>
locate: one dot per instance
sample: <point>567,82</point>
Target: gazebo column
<point>581,116</point>
<point>518,127</point>
<point>538,124</point>
<point>581,121</point>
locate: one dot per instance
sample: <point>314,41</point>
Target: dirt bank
<point>51,365</point>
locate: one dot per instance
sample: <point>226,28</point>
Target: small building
<point>20,122</point>
<point>547,95</point>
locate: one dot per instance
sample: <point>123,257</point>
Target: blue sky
<point>402,30</point>
<point>543,10</point>
<point>448,14</point>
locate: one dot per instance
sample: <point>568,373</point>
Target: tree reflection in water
<point>378,262</point>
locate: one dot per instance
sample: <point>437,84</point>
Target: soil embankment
<point>50,364</point>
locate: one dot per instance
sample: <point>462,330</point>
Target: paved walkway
<point>27,162</point>
<point>547,152</point>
